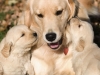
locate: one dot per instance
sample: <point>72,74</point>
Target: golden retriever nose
<point>35,34</point>
<point>51,36</point>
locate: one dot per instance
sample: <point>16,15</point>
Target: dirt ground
<point>11,11</point>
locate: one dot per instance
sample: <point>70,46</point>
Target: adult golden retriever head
<point>18,40</point>
<point>51,16</point>
<point>80,33</point>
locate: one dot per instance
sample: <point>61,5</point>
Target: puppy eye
<point>59,12</point>
<point>40,15</point>
<point>22,35</point>
<point>79,26</point>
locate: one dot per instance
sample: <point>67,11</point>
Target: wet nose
<point>51,37</point>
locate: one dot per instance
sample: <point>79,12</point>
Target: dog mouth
<point>55,45</point>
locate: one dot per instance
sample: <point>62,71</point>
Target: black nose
<point>51,36</point>
<point>35,34</point>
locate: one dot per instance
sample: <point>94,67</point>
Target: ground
<point>10,11</point>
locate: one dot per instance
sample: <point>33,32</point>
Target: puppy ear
<point>72,7</point>
<point>6,50</point>
<point>80,46</point>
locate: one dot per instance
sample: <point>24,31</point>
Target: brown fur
<point>6,50</point>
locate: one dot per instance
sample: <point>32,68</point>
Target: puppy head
<point>81,33</point>
<point>52,16</point>
<point>18,39</point>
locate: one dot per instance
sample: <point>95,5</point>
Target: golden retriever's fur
<point>52,16</point>
<point>86,54</point>
<point>48,59</point>
<point>46,16</point>
<point>15,51</point>
<point>90,6</point>
<point>47,62</point>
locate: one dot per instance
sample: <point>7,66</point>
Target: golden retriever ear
<point>27,18</point>
<point>72,7</point>
<point>6,50</point>
<point>80,46</point>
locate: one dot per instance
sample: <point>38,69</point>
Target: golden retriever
<point>49,19</point>
<point>52,16</point>
<point>15,51</point>
<point>86,54</point>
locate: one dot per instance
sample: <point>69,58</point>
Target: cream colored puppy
<point>15,51</point>
<point>86,54</point>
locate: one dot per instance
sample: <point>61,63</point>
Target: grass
<point>2,17</point>
<point>2,34</point>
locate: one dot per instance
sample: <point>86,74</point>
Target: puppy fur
<point>15,51</point>
<point>86,54</point>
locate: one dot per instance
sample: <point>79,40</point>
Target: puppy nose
<point>35,34</point>
<point>51,36</point>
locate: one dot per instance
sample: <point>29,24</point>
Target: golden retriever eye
<point>40,15</point>
<point>59,12</point>
<point>79,25</point>
<point>22,35</point>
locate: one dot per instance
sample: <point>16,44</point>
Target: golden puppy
<point>15,51</point>
<point>86,54</point>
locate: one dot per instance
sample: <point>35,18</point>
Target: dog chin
<point>55,45</point>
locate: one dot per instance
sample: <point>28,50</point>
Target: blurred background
<point>11,10</point>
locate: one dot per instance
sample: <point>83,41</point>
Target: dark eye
<point>22,35</point>
<point>59,12</point>
<point>79,26</point>
<point>40,15</point>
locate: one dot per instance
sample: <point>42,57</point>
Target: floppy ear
<point>72,7</point>
<point>27,18</point>
<point>6,50</point>
<point>80,46</point>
